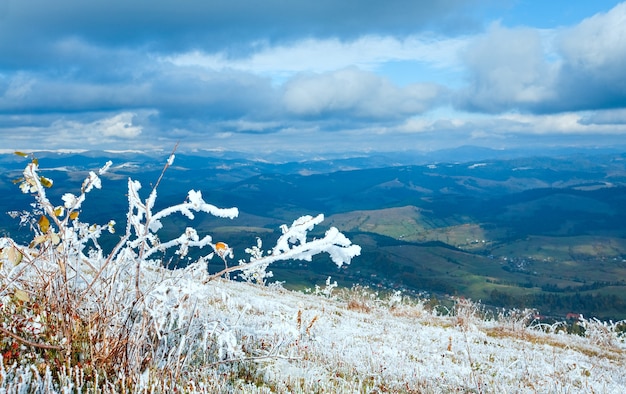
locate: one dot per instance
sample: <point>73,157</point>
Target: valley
<point>544,232</point>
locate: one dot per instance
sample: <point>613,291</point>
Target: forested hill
<point>509,229</point>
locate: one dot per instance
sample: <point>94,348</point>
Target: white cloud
<point>561,123</point>
<point>598,42</point>
<point>356,92</point>
<point>91,131</point>
<point>511,128</point>
<point>616,117</point>
<point>120,125</point>
<point>594,61</point>
<point>549,71</point>
<point>247,126</point>
<point>508,68</point>
<point>324,55</point>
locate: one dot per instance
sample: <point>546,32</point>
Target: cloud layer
<point>304,75</point>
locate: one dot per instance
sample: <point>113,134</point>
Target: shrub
<point>73,314</point>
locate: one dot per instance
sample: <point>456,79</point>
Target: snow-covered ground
<point>354,342</point>
<point>268,339</point>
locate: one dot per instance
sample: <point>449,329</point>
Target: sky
<point>311,76</point>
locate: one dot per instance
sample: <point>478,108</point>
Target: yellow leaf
<point>54,237</point>
<point>74,215</point>
<point>44,224</point>
<point>45,182</point>
<point>58,211</point>
<point>38,240</point>
<point>21,295</point>
<point>13,255</point>
<point>21,154</point>
<point>10,254</point>
<point>36,161</point>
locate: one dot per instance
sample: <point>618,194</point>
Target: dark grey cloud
<point>75,56</point>
<point>30,29</point>
<point>240,72</point>
<point>208,96</point>
<point>181,93</point>
<point>181,96</point>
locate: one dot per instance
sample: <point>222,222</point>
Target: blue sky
<point>278,75</point>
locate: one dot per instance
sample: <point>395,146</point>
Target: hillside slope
<point>355,342</point>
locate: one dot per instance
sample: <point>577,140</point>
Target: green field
<point>473,263</point>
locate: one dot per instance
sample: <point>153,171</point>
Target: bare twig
<point>29,343</point>
<point>148,213</point>
<point>167,165</point>
<point>114,253</point>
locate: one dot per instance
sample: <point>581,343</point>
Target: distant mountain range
<point>512,228</point>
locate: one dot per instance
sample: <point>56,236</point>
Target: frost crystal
<point>92,181</point>
<point>105,168</point>
<point>70,201</point>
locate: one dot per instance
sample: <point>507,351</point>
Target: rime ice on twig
<point>293,245</point>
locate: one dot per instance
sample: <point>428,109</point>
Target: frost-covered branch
<point>293,245</point>
<point>58,227</point>
<point>145,223</point>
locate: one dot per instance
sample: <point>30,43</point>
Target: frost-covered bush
<point>73,314</point>
<point>602,333</point>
